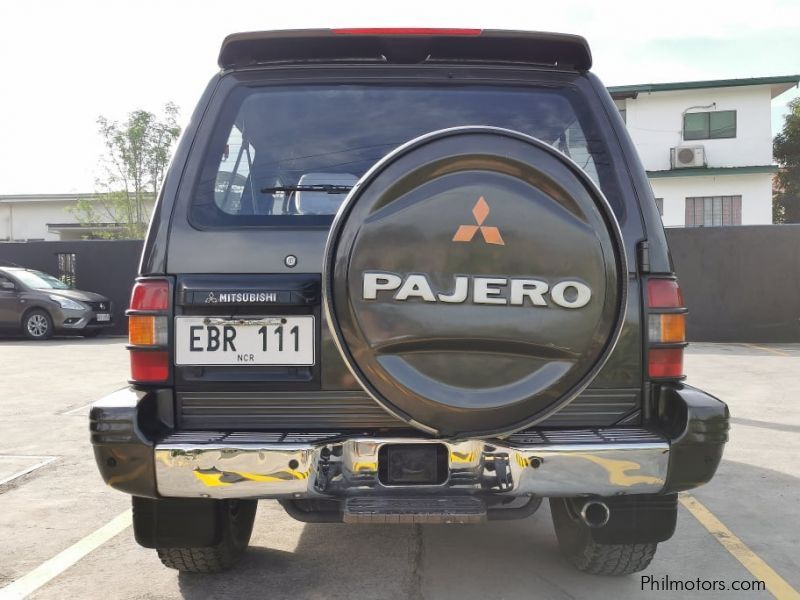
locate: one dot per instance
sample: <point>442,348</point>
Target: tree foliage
<point>137,153</point>
<point>786,149</point>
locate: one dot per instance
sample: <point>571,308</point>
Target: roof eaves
<point>629,91</point>
<point>712,171</point>
<point>44,197</point>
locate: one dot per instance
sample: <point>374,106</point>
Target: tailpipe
<point>595,514</point>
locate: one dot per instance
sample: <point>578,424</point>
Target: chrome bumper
<point>602,462</point>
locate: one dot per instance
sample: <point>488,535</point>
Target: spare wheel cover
<point>475,281</point>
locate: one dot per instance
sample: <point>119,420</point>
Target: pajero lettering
<point>514,291</point>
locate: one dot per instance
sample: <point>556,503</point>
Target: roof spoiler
<point>406,46</point>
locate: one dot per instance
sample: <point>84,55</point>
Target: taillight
<point>148,323</point>
<point>149,366</point>
<point>666,329</point>
<point>150,294</point>
<point>665,363</point>
<point>147,330</point>
<point>404,31</point>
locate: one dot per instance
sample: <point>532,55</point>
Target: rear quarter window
<point>288,155</point>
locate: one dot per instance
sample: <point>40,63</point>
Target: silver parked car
<point>40,305</point>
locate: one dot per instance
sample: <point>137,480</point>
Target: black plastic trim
<point>236,409</point>
<point>124,426</point>
<point>178,522</point>
<point>638,519</point>
<point>559,50</point>
<point>698,425</point>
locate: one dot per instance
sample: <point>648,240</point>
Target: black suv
<point>39,305</point>
<point>407,276</point>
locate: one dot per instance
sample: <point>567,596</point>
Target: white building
<point>34,217</point>
<point>706,146</point>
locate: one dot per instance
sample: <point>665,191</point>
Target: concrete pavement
<point>45,389</point>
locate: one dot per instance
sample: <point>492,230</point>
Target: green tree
<point>786,149</point>
<point>137,153</point>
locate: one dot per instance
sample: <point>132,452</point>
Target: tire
<point>580,549</point>
<point>236,524</point>
<point>37,324</point>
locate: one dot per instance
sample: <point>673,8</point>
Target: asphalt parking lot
<point>61,504</point>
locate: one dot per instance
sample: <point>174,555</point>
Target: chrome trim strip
<point>239,465</point>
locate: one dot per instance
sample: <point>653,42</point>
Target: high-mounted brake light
<point>666,329</point>
<point>148,324</point>
<point>404,31</point>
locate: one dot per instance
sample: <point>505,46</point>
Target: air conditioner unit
<point>688,156</point>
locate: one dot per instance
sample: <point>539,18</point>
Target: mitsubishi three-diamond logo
<point>491,235</point>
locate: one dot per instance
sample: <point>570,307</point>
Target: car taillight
<point>147,330</point>
<point>150,294</point>
<point>148,367</point>
<point>148,323</point>
<point>666,329</point>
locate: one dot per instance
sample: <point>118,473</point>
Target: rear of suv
<point>406,276</point>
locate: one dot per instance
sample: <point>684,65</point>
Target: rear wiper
<point>328,188</point>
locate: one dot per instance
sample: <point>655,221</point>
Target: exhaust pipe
<point>595,514</point>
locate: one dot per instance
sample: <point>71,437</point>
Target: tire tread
<point>210,559</point>
<point>614,559</point>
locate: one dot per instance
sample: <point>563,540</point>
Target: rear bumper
<point>626,460</point>
<point>602,462</point>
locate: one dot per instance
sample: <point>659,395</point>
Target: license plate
<point>103,317</point>
<point>244,341</point>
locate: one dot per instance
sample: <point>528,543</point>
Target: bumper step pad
<point>455,509</point>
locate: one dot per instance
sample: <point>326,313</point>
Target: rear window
<point>288,155</point>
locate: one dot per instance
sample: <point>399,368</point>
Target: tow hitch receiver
<point>412,464</point>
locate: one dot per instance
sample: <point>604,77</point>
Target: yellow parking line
<point>776,584</point>
<point>50,569</point>
<point>767,349</point>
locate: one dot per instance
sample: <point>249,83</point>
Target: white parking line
<point>50,569</point>
<point>45,460</point>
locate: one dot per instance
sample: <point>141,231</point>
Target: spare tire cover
<point>475,281</point>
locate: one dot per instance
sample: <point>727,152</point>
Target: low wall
<point>741,284</point>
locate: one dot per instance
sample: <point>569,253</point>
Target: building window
<point>713,211</point>
<point>709,125</point>
<point>660,206</point>
<point>67,268</point>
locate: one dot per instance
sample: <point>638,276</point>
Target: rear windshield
<point>288,155</point>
